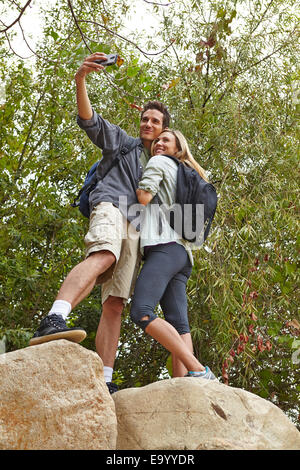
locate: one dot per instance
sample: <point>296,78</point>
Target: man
<point>112,242</point>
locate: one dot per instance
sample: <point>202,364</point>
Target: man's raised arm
<point>83,103</point>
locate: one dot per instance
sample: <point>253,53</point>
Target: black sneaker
<point>112,387</point>
<point>54,327</point>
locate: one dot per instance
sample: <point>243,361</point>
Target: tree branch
<point>35,53</point>
<point>16,20</point>
<point>206,94</point>
<point>26,42</point>
<point>18,170</point>
<point>76,22</point>
<point>160,4</point>
<point>236,74</point>
<point>13,51</point>
<point>262,17</point>
<point>125,39</point>
<point>84,37</point>
<point>120,90</point>
<point>184,79</point>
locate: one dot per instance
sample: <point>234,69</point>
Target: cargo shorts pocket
<point>105,225</point>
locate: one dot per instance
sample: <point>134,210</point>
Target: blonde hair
<point>184,153</point>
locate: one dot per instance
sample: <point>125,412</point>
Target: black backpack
<point>193,195</point>
<point>92,178</point>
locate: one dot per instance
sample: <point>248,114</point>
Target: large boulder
<point>189,413</point>
<point>54,396</point>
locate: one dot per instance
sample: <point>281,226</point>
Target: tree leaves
<point>230,94</point>
<point>173,83</point>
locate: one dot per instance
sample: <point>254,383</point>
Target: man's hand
<point>89,65</point>
<point>83,103</point>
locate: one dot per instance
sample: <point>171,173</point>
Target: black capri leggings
<point>163,280</point>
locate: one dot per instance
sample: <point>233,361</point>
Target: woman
<point>168,259</point>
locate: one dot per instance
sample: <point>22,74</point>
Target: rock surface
<point>53,396</point>
<point>188,413</point>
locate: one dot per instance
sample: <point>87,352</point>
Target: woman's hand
<point>143,196</point>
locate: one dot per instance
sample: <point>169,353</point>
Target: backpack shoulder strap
<point>92,173</point>
<point>173,158</point>
<point>134,142</point>
<point>124,150</point>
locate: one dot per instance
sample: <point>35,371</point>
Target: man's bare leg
<point>75,288</point>
<point>108,333</point>
<point>81,280</point>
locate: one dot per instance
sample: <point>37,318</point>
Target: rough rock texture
<point>189,413</point>
<point>53,396</point>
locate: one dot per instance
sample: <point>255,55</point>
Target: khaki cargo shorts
<point>109,230</point>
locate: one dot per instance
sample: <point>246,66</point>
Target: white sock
<point>108,372</point>
<point>61,307</point>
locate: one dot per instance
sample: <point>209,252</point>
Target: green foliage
<point>229,79</point>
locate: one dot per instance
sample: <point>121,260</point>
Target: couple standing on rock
<point>114,247</point>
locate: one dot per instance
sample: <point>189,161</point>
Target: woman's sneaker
<point>54,327</point>
<point>205,374</point>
